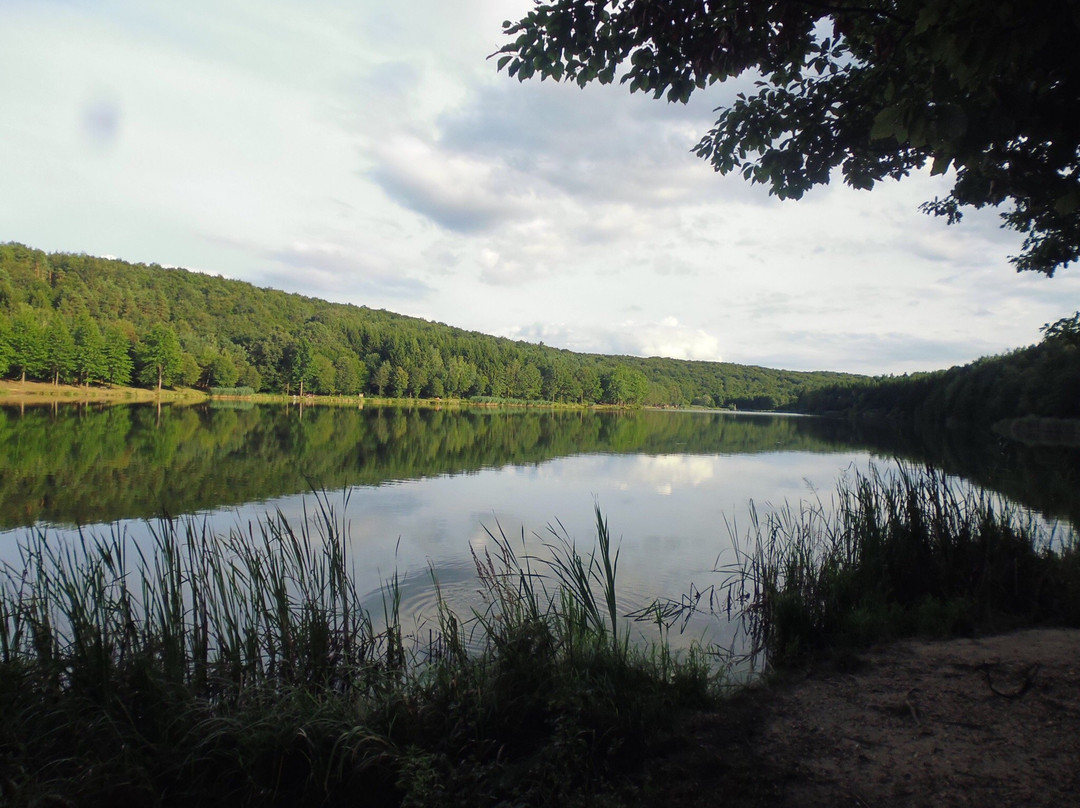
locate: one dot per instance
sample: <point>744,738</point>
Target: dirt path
<point>986,722</point>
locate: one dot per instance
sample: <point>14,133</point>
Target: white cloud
<point>460,193</point>
<point>666,338</point>
<point>370,152</point>
<point>627,338</point>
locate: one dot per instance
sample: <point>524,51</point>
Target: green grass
<point>232,391</point>
<point>895,555</point>
<point>241,669</point>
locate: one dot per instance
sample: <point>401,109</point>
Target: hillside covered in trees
<point>1039,380</point>
<point>79,319</point>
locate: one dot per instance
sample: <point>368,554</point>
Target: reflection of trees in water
<point>1045,478</point>
<point>81,464</point>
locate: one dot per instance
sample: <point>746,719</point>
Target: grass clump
<point>899,554</point>
<point>241,669</point>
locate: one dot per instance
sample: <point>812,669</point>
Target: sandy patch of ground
<point>967,722</point>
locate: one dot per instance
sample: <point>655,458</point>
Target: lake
<point>421,487</point>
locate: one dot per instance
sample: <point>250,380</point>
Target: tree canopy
<point>76,318</point>
<point>1039,380</point>
<point>874,89</point>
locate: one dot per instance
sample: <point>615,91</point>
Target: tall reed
<point>899,553</point>
<point>243,669</point>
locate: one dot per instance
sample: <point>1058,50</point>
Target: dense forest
<point>1039,380</point>
<point>78,319</point>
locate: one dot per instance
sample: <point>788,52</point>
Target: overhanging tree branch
<point>989,90</point>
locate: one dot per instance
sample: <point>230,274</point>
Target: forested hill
<point>1041,380</point>
<point>76,318</point>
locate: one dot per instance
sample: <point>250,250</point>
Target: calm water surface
<point>419,488</point>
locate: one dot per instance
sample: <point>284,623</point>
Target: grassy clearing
<point>242,670</point>
<point>15,392</point>
<point>900,554</point>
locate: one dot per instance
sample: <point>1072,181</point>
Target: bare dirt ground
<point>967,722</point>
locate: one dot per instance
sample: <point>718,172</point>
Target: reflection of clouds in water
<point>758,476</point>
<point>664,472</point>
<point>669,514</point>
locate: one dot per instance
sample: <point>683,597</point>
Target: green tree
<point>625,386</point>
<point>399,382</point>
<point>160,356</point>
<point>589,379</point>
<point>418,379</point>
<point>350,373</point>
<point>267,355</point>
<point>1066,330</point>
<point>300,362</point>
<point>380,379</point>
<point>7,292</point>
<point>555,377</point>
<point>323,375</point>
<point>89,354</point>
<point>874,89</point>
<point>219,370</point>
<point>529,382</point>
<point>7,353</point>
<point>27,344</point>
<point>188,372</point>
<point>460,376</point>
<point>117,354</point>
<point>59,350</point>
<point>248,376</point>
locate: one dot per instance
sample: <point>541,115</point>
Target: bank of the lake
<point>988,720</point>
<point>31,393</point>
<point>244,669</point>
<point>367,400</point>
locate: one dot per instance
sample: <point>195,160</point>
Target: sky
<point>370,153</point>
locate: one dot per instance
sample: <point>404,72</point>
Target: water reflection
<point>419,489</point>
<point>79,465</point>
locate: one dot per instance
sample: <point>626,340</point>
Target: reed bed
<point>895,554</point>
<point>241,669</point>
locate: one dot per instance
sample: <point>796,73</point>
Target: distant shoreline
<point>36,393</point>
<point>44,393</point>
<point>41,393</point>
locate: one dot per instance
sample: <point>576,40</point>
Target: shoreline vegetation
<point>240,669</point>
<point>38,393</point>
<point>1036,382</point>
<point>79,319</point>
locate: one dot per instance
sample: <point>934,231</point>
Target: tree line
<point>1039,380</point>
<point>67,318</point>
